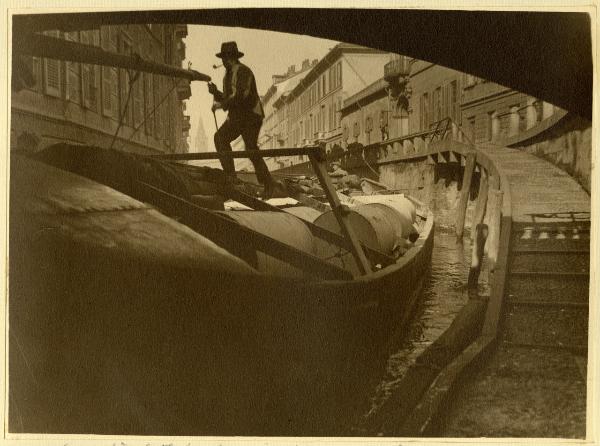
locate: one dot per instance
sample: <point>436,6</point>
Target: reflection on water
<point>443,296</point>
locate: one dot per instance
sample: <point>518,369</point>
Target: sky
<point>265,52</point>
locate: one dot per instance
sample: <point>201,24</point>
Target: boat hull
<point>118,342</point>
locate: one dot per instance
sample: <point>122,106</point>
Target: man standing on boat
<point>245,113</point>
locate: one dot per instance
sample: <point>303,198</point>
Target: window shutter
<point>150,110</point>
<point>125,107</point>
<point>52,77</point>
<point>86,74</point>
<point>52,74</point>
<point>138,97</point>
<point>73,74</point>
<point>157,112</point>
<point>109,74</point>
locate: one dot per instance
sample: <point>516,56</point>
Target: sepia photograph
<point>300,222</point>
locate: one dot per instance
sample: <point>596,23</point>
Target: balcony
<point>397,68</point>
<point>186,125</point>
<point>184,91</point>
<point>181,31</point>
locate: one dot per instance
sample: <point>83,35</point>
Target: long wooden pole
<point>480,205</point>
<point>494,208</point>
<point>45,46</point>
<point>481,232</point>
<point>341,213</point>
<point>464,196</point>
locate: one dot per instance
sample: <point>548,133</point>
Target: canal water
<point>444,294</point>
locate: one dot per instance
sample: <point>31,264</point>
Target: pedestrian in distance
<point>244,114</point>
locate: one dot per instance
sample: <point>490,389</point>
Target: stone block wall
<point>568,145</point>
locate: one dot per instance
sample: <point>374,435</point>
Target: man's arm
<point>241,82</point>
<point>212,89</point>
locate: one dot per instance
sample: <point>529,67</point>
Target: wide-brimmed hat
<point>229,49</point>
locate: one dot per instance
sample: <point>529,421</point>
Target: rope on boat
<point>132,79</point>
<point>151,113</point>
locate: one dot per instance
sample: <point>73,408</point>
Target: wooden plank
<point>464,196</point>
<point>340,213</point>
<point>317,151</point>
<point>211,224</point>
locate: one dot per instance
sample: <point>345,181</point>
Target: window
<point>424,111</point>
<point>339,74</point>
<point>149,103</point>
<point>338,113</point>
<point>90,74</point>
<point>331,117</point>
<point>331,87</point>
<point>324,87</point>
<point>158,112</point>
<point>52,72</point>
<point>125,107</point>
<point>108,40</point>
<point>73,74</point>
<point>437,104</point>
<point>471,124</point>
<point>454,106</point>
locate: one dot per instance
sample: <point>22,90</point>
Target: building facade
<point>415,96</point>
<point>83,103</point>
<point>313,108</point>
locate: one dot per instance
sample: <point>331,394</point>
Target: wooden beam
<point>340,213</point>
<point>464,196</point>
<point>211,224</point>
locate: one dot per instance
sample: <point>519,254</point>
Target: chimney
<point>305,64</point>
<point>291,69</point>
<point>314,62</point>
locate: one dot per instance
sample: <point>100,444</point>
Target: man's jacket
<point>240,96</point>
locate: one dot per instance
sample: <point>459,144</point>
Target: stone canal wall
<point>437,185</point>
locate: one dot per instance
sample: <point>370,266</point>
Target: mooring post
<point>464,196</point>
<point>481,234</point>
<point>493,241</point>
<point>480,205</point>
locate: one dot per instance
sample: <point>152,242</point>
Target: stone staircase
<point>534,383</point>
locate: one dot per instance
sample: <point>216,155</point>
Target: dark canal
<point>444,294</point>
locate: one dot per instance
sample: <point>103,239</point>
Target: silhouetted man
<point>245,113</point>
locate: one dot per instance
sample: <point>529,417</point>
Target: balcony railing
<point>397,68</point>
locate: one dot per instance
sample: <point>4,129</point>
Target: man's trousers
<point>248,128</point>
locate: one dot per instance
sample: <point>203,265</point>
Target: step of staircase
<point>548,288</point>
<point>544,260</point>
<point>546,325</point>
